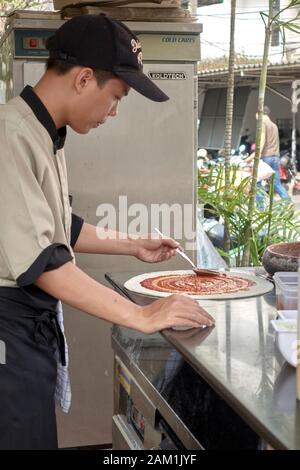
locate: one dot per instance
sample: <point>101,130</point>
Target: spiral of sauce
<point>197,285</point>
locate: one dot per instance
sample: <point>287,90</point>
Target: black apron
<point>31,335</point>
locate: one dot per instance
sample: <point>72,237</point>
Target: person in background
<point>270,150</point>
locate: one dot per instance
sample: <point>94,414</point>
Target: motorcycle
<point>287,173</point>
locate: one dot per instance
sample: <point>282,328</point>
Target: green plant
<point>229,112</point>
<point>276,223</point>
<point>271,20</point>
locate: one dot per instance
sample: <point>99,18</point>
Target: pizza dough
<point>225,286</point>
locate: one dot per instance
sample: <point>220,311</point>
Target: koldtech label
<point>167,75</point>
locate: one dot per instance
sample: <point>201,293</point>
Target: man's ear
<point>83,78</point>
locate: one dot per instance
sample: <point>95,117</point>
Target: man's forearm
<point>72,286</point>
<point>109,242</point>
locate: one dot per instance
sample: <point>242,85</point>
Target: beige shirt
<point>270,139</point>
<point>34,203</point>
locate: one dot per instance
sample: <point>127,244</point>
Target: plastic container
<point>286,286</point>
<point>287,314</point>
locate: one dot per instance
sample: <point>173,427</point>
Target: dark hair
<point>61,68</point>
<point>267,110</point>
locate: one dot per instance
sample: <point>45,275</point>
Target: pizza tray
<point>261,286</point>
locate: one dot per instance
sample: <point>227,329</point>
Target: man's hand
<point>71,285</point>
<point>174,311</point>
<point>150,248</point>
<point>154,250</point>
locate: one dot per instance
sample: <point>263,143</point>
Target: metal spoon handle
<point>180,252</point>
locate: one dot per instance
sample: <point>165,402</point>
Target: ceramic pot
<point>281,257</point>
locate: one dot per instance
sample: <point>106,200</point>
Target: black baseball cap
<point>101,42</point>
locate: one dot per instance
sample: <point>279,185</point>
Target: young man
<point>94,61</point>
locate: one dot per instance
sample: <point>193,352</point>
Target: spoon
<point>198,271</point>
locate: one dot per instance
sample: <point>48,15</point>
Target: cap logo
<point>136,46</point>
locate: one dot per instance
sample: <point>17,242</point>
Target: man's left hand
<point>154,250</point>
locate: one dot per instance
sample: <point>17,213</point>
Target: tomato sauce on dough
<point>197,285</point>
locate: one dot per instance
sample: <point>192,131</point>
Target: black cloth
<point>50,258</point>
<point>76,226</point>
<point>53,256</point>
<point>28,376</point>
<point>58,136</point>
<point>103,43</point>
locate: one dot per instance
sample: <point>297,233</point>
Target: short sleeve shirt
<point>271,146</point>
<point>35,212</point>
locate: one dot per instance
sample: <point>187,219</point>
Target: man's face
<point>95,104</point>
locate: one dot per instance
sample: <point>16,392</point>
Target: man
<point>93,63</point>
<point>270,150</point>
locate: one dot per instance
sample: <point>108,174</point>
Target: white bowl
<point>288,314</point>
<point>287,345</point>
<point>286,339</point>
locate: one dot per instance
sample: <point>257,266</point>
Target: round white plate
<point>261,286</point>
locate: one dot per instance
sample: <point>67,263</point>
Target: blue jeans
<point>273,161</point>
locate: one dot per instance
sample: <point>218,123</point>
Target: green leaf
<point>277,223</point>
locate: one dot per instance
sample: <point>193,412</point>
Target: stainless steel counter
<point>240,362</point>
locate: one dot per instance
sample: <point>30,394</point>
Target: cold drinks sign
<point>170,46</point>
